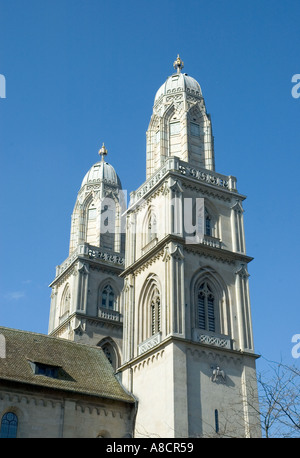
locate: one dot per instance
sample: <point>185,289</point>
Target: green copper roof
<point>80,368</point>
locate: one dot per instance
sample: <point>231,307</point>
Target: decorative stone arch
<point>150,308</point>
<point>110,219</point>
<point>90,226</point>
<point>166,129</point>
<point>160,150</point>
<point>117,198</point>
<point>168,120</point>
<point>65,303</point>
<point>221,299</point>
<point>197,113</point>
<point>154,123</point>
<point>149,225</point>
<point>111,351</point>
<point>79,219</point>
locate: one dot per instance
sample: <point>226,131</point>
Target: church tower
<point>188,353</point>
<point>85,299</point>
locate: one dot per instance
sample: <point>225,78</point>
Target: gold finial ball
<point>178,64</point>
<point>103,151</point>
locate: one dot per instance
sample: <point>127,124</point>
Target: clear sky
<point>82,72</point>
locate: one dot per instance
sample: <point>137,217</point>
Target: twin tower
<point>162,285</point>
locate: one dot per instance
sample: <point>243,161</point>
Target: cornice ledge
<point>217,253</point>
<point>151,253</point>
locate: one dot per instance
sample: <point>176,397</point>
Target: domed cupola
<point>177,83</point>
<point>102,171</point>
<point>96,218</point>
<point>180,125</point>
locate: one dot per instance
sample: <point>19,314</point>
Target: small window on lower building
<point>216,420</point>
<point>9,425</point>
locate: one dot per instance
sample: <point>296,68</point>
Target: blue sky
<point>82,72</point>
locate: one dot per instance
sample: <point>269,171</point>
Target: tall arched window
<point>91,224</point>
<point>152,228</point>
<point>108,297</point>
<point>150,309</point>
<point>155,312</point>
<point>110,354</point>
<point>208,224</point>
<point>9,425</point>
<point>206,307</point>
<point>109,348</point>
<point>149,229</point>
<point>65,303</point>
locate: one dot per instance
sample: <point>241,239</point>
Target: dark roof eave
<point>75,391</point>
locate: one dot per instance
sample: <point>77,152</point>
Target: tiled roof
<point>82,368</point>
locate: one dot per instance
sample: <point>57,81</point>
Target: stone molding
<point>149,343</point>
<point>207,338</point>
<point>215,180</point>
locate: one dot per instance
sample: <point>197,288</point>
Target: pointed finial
<point>102,152</point>
<point>178,64</point>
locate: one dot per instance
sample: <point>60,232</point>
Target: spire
<point>178,64</point>
<point>102,152</point>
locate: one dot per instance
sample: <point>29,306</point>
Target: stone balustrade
<point>174,164</point>
<point>149,343</point>
<point>109,314</point>
<point>86,250</point>
<point>206,337</point>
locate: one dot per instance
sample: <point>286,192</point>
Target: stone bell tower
<point>85,299</point>
<point>188,353</point>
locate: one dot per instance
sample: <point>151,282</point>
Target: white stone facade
<point>178,327</point>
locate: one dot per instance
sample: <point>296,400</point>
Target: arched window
<point>206,307</point>
<point>91,224</point>
<point>108,223</point>
<point>155,312</point>
<point>65,303</point>
<point>149,227</point>
<point>150,307</point>
<point>9,425</point>
<point>110,354</point>
<point>108,297</point>
<point>152,228</point>
<point>208,224</point>
<point>110,350</point>
<point>211,304</point>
